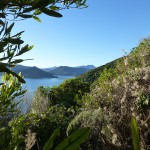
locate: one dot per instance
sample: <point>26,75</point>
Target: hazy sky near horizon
<point>95,35</point>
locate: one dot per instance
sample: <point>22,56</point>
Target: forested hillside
<point>94,74</point>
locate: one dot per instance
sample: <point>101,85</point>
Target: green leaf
<point>18,34</point>
<point>36,18</point>
<point>24,49</point>
<point>135,136</point>
<point>37,12</point>
<point>17,61</point>
<point>14,40</point>
<point>50,12</point>
<point>2,15</point>
<point>29,9</point>
<point>4,58</point>
<point>74,140</point>
<point>43,3</point>
<point>26,16</point>
<point>39,4</point>
<point>2,45</point>
<point>8,30</point>
<point>54,8</point>
<point>49,144</point>
<point>3,28</point>
<point>1,22</point>
<point>5,69</point>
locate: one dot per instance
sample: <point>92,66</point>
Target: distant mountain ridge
<point>51,72</point>
<point>68,71</point>
<point>49,69</point>
<point>89,67</point>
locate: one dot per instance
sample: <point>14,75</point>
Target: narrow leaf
<point>24,49</point>
<point>18,34</point>
<point>14,40</point>
<point>2,15</point>
<point>1,31</point>
<point>1,22</point>
<point>49,144</point>
<point>8,30</point>
<point>50,12</point>
<point>36,18</point>
<point>43,3</point>
<point>74,140</point>
<point>2,45</point>
<point>5,69</point>
<point>17,61</point>
<point>135,136</point>
<point>39,4</point>
<point>26,16</point>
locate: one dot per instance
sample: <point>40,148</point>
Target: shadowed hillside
<point>36,73</point>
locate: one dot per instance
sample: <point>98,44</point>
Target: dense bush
<point>69,93</point>
<point>115,97</point>
<point>40,126</point>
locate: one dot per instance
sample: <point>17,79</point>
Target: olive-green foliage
<point>4,137</point>
<point>69,93</point>
<point>121,92</point>
<point>10,95</point>
<point>41,124</point>
<point>83,119</point>
<point>92,75</point>
<point>10,90</point>
<point>40,100</point>
<point>140,55</point>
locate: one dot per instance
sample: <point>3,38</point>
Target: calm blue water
<point>32,84</point>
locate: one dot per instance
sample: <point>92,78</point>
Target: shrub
<point>41,124</point>
<point>119,94</point>
<point>69,93</point>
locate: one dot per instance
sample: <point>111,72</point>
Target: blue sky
<point>95,35</point>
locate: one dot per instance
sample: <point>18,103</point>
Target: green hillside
<point>94,74</point>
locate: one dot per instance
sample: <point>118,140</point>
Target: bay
<point>32,84</point>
